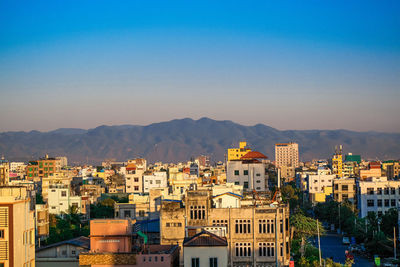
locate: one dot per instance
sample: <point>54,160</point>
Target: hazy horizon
<point>291,66</point>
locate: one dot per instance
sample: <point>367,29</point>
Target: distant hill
<point>179,140</point>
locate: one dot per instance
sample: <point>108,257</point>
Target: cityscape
<point>246,211</point>
<point>199,133</point>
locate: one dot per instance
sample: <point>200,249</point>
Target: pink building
<point>111,245</point>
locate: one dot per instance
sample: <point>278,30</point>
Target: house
<point>205,249</point>
<point>62,254</point>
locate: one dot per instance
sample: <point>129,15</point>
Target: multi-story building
<point>319,186</point>
<point>42,221</point>
<point>60,200</point>
<point>17,227</point>
<point>337,161</point>
<point>250,171</point>
<point>154,180</point>
<point>134,176</point>
<point>237,153</point>
<point>393,170</point>
<point>287,154</point>
<point>256,235</point>
<point>4,172</point>
<point>54,180</point>
<point>44,167</point>
<point>377,194</point>
<point>344,189</point>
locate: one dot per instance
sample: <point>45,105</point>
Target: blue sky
<point>287,64</point>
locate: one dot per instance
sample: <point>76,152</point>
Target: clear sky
<point>287,64</point>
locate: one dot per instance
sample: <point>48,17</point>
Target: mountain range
<point>182,139</point>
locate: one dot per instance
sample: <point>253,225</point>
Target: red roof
<point>254,155</point>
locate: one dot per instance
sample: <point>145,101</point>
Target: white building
<point>60,199</point>
<point>377,194</point>
<point>248,172</point>
<point>134,175</point>
<point>154,180</point>
<point>317,182</point>
<point>287,154</point>
<point>205,249</point>
<point>227,200</point>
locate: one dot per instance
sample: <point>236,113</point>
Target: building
<point>256,235</point>
<point>134,176</point>
<point>60,200</point>
<point>337,162</point>
<point>205,249</point>
<point>17,227</point>
<point>250,171</point>
<point>393,171</point>
<point>42,221</point>
<point>377,194</point>
<point>111,245</point>
<point>319,185</point>
<point>155,180</point>
<point>344,189</point>
<point>43,167</point>
<point>62,254</point>
<point>374,170</point>
<point>237,153</point>
<point>4,172</point>
<point>287,154</point>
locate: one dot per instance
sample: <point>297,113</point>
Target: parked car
<point>346,240</point>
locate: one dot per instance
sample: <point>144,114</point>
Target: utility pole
<point>319,245</point>
<point>394,242</point>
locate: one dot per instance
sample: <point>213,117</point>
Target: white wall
<point>204,254</point>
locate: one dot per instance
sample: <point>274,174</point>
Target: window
<point>142,213</point>
<point>370,202</point>
<point>155,258</point>
<point>258,181</point>
<point>393,191</point>
<point>386,202</point>
<point>336,187</point>
<point>195,262</point>
<point>370,191</point>
<point>236,172</point>
<point>136,188</point>
<point>158,181</point>
<point>379,191</point>
<point>162,258</point>
<point>1,233</point>
<point>386,191</point>
<point>345,196</point>
<point>393,202</point>
<point>73,252</point>
<point>245,184</point>
<point>167,224</point>
<point>223,223</point>
<point>242,227</point>
<point>245,172</point>
<point>258,174</point>
<point>266,249</point>
<point>345,187</point>
<point>213,262</point>
<point>379,204</point>
<point>243,249</point>
<point>197,212</point>
<point>136,180</point>
<point>63,193</point>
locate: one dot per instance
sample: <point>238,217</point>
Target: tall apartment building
<point>60,199</point>
<point>249,171</point>
<point>17,227</point>
<point>393,170</point>
<point>237,153</point>
<point>377,194</point>
<point>256,236</point>
<point>287,154</point>
<point>4,172</point>
<point>337,162</point>
<point>319,186</point>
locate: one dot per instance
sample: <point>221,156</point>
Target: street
<point>331,246</point>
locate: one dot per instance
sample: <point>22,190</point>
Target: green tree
<point>303,227</point>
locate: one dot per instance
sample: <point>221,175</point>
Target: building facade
<point>287,154</point>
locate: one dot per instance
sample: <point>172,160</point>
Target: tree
<point>304,227</point>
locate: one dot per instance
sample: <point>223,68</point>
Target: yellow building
<point>4,172</point>
<point>17,227</point>
<point>321,197</point>
<point>237,153</point>
<point>337,162</point>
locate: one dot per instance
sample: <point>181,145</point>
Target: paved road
<point>331,246</point>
